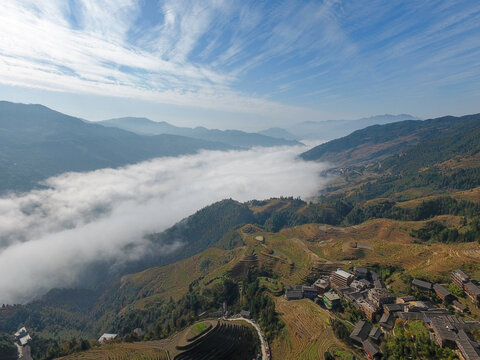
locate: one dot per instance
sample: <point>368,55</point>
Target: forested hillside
<point>378,142</point>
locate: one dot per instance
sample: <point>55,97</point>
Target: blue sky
<point>242,64</point>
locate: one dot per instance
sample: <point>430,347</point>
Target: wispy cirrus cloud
<point>279,59</point>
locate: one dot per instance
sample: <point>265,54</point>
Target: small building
<point>355,297</point>
<point>245,314</point>
<point>138,332</point>
<point>458,306</point>
<point>391,308</point>
<point>443,293</point>
<point>387,322</point>
<point>459,278</point>
<point>372,350</point>
<point>360,332</point>
<point>375,275</point>
<point>409,316</point>
<point>405,299</point>
<point>378,284</point>
<point>341,278</point>
<point>322,286</point>
<point>357,285</point>
<point>375,334</point>
<point>293,292</point>
<point>416,306</point>
<point>361,272</point>
<point>468,349</point>
<point>367,284</point>
<point>379,297</point>
<point>107,337</point>
<point>422,285</point>
<point>344,290</point>
<point>473,291</point>
<point>331,300</point>
<point>309,292</point>
<point>433,313</point>
<point>368,309</point>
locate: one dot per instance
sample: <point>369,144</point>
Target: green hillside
<point>378,142</point>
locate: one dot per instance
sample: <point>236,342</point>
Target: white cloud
<point>47,45</point>
<point>49,237</point>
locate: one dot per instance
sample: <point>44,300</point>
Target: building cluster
<point>365,290</point>
<point>461,280</point>
<point>464,282</point>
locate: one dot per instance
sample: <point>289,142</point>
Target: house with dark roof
<point>473,291</point>
<point>379,297</point>
<point>361,272</point>
<point>422,285</point>
<point>372,350</point>
<point>405,299</point>
<point>391,308</point>
<point>360,332</point>
<point>375,334</point>
<point>293,292</point>
<point>344,290</point>
<point>309,292</point>
<point>378,284</point>
<point>387,322</point>
<point>458,306</point>
<point>417,306</point>
<point>450,331</point>
<point>443,293</point>
<point>459,278</point>
<point>409,316</point>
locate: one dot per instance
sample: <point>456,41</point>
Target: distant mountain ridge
<point>239,138</point>
<point>332,129</point>
<point>37,142</point>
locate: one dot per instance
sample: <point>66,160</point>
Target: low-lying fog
<point>48,237</point>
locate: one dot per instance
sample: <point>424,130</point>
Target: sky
<point>81,219</point>
<point>242,64</point>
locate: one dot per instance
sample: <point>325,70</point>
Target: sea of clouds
<point>48,237</point>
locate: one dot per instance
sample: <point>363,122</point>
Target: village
<point>365,290</point>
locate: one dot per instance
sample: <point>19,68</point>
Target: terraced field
<point>307,334</point>
<point>123,351</point>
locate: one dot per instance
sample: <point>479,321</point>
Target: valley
<point>241,257</point>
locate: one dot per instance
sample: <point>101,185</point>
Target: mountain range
<point>144,126</point>
<point>331,129</point>
<point>37,142</point>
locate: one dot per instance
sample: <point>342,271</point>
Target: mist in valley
<point>50,237</point>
